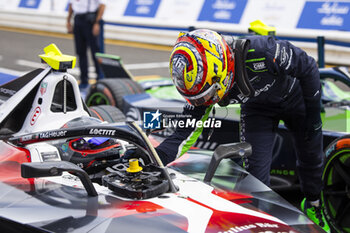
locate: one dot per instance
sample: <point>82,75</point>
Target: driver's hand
<point>136,154</point>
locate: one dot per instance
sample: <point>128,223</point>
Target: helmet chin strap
<point>224,101</point>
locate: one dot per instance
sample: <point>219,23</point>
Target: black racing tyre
<point>107,113</point>
<point>336,180</point>
<point>111,92</point>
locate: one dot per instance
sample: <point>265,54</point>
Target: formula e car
<point>62,170</point>
<point>137,97</point>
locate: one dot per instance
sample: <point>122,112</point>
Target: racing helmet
<point>202,67</point>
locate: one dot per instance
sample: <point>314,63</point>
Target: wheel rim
<point>97,99</point>
<point>336,193</point>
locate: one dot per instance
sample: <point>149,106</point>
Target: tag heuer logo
<point>43,87</point>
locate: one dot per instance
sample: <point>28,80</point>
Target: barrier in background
<point>159,21</point>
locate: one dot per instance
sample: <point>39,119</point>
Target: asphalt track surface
<point>19,50</point>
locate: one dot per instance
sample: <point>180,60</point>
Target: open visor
<point>204,97</point>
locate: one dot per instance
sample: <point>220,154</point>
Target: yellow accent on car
<point>261,29</point>
<point>134,166</point>
<point>58,61</point>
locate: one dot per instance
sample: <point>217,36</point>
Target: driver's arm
<point>291,60</point>
<point>183,138</point>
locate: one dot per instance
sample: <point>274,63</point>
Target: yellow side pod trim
<point>58,61</point>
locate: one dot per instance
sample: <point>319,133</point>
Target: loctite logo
<point>35,116</point>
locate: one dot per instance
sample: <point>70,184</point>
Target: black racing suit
<point>287,87</point>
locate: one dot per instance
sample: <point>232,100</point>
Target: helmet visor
<point>204,97</point>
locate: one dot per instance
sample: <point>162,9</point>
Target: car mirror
<point>44,169</point>
<point>231,150</point>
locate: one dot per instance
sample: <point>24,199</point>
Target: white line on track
<point>138,66</point>
<point>12,72</point>
<point>76,71</point>
<point>30,64</point>
<point>0,57</point>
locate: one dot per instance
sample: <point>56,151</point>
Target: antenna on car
<point>60,62</point>
<point>56,60</point>
<point>259,28</point>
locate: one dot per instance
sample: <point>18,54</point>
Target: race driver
<point>273,80</point>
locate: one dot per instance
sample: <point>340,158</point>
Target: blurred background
<point>142,31</point>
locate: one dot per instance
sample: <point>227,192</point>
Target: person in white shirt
<point>87,18</point>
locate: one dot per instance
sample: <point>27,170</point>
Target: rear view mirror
<point>231,150</point>
<point>44,169</point>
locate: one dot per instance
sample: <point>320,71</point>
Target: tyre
<point>107,113</point>
<point>336,180</point>
<point>112,91</point>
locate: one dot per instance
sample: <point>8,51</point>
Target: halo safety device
<point>202,67</point>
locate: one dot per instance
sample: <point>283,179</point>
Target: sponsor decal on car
<point>43,88</point>
<point>28,138</point>
<point>50,156</point>
<point>252,226</point>
<point>53,134</point>
<point>104,132</point>
<point>35,116</point>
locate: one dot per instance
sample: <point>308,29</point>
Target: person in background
<point>87,17</point>
<point>273,80</point>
